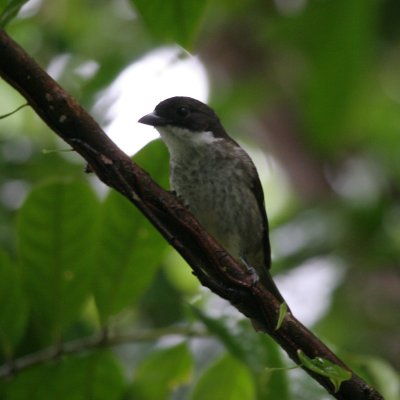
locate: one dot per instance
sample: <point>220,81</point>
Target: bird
<point>217,180</point>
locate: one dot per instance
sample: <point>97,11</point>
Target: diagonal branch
<point>210,263</point>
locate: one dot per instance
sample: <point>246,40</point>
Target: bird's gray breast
<point>214,184</point>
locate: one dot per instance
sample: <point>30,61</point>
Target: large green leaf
<point>381,374</point>
<point>56,232</point>
<point>130,250</point>
<point>13,311</point>
<point>174,20</point>
<point>258,352</point>
<point>226,379</point>
<point>162,372</point>
<point>336,38</point>
<point>265,361</point>
<point>97,377</point>
<point>9,9</point>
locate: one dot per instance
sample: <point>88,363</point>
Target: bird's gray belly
<point>225,207</point>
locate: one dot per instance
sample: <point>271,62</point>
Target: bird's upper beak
<point>153,119</point>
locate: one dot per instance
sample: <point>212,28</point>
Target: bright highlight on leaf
<point>321,366</point>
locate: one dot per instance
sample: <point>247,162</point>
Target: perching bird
<point>216,180</point>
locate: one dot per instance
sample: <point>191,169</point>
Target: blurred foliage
<point>162,372</point>
<point>166,28</point>
<point>315,84</point>
<point>9,9</point>
<point>94,376</point>
<point>226,378</point>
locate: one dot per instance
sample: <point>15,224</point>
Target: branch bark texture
<point>215,268</point>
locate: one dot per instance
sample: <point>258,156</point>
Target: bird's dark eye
<point>182,111</point>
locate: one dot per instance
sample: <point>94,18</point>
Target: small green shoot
<point>283,309</point>
<point>321,366</point>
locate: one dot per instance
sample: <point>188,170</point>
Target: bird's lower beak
<point>153,119</point>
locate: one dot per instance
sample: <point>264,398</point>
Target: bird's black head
<point>187,113</point>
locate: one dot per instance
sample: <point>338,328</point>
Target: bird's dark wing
<point>259,194</point>
<point>256,188</point>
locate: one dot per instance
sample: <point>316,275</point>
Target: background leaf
<point>162,372</point>
<point>13,310</point>
<point>384,376</point>
<point>56,230</point>
<point>226,379</point>
<point>9,9</point>
<point>258,352</point>
<point>96,376</point>
<point>175,20</point>
<point>129,250</point>
<point>217,327</point>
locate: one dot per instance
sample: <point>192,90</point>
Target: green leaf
<point>257,352</point>
<point>338,46</point>
<point>162,372</point>
<point>130,250</point>
<point>97,376</point>
<point>261,354</point>
<point>217,327</point>
<point>129,253</point>
<point>321,366</point>
<point>154,159</point>
<point>380,373</point>
<point>56,232</point>
<point>9,9</point>
<point>283,308</point>
<point>13,310</point>
<point>174,20</point>
<point>271,384</point>
<point>226,379</point>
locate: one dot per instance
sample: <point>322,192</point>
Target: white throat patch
<point>175,137</point>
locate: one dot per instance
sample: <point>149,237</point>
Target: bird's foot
<point>180,198</point>
<point>251,271</point>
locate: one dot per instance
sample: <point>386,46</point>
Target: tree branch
<point>215,268</point>
<point>96,341</point>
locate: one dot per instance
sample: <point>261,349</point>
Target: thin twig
<point>14,111</point>
<point>89,343</point>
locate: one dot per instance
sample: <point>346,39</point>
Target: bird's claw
<point>251,271</point>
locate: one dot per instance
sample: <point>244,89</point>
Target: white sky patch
<point>58,65</point>
<point>29,9</point>
<point>162,73</point>
<point>308,288</point>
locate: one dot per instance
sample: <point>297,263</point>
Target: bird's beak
<point>153,119</point>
